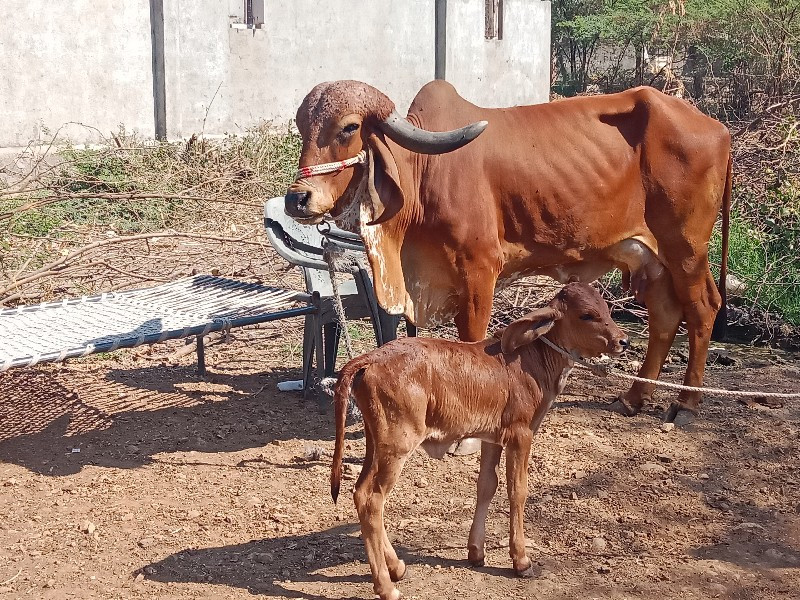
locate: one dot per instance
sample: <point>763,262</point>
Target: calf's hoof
<point>680,414</point>
<point>464,447</point>
<point>398,572</point>
<point>621,406</point>
<point>394,594</point>
<point>476,557</point>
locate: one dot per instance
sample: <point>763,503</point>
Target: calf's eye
<point>587,317</point>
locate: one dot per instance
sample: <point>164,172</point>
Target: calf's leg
<point>487,486</point>
<point>369,497</point>
<point>517,455</point>
<point>397,568</point>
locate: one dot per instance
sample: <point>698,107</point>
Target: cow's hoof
<point>526,573</point>
<point>680,415</point>
<point>398,572</point>
<point>465,447</point>
<point>622,407</point>
<point>476,556</point>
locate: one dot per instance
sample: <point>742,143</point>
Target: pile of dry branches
<point>766,208</point>
<point>766,152</point>
<point>126,213</point>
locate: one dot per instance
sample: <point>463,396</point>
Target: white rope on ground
<point>706,390</point>
<point>605,371</point>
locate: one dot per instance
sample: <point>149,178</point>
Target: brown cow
<point>570,189</point>
<point>426,392</point>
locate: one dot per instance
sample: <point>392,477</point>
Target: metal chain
<point>607,371</point>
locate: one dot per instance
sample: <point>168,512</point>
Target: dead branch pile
<point>127,213</point>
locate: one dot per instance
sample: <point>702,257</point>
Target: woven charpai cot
<point>195,305</point>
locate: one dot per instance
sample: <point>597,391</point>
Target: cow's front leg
<point>472,321</point>
<point>517,454</point>
<point>475,302</point>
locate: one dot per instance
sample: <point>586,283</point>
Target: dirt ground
<point>126,477</point>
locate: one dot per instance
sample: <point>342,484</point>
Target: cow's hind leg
<point>487,486</point>
<point>664,313</point>
<point>701,302</point>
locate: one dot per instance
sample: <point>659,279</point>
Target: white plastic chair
<point>304,246</point>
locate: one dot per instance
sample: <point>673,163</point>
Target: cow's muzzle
<point>296,204</point>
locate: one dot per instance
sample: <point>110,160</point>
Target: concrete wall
<point>506,72</point>
<point>76,61</point>
<point>265,73</point>
<point>91,62</point>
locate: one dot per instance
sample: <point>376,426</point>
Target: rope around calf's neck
<point>607,371</point>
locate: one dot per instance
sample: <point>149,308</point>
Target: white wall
<point>78,60</point>
<point>496,73</point>
<point>265,73</point>
<point>91,61</point>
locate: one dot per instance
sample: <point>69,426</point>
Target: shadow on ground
<point>277,566</point>
<point>54,421</point>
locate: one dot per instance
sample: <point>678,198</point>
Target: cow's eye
<point>587,317</point>
<point>348,129</point>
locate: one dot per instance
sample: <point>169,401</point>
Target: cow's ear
<point>527,329</point>
<point>383,181</point>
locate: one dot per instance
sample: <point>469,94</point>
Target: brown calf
<point>427,392</point>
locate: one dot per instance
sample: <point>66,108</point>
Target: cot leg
<point>411,329</point>
<point>201,356</point>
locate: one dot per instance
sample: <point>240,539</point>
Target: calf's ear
<point>528,328</point>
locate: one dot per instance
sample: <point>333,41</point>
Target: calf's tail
<point>720,329</point>
<point>341,398</point>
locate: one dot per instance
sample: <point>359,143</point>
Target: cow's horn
<point>429,142</point>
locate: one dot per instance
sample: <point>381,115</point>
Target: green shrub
<point>767,262</point>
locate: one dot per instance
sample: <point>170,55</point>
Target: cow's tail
<point>341,399</point>
<point>721,322</point>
